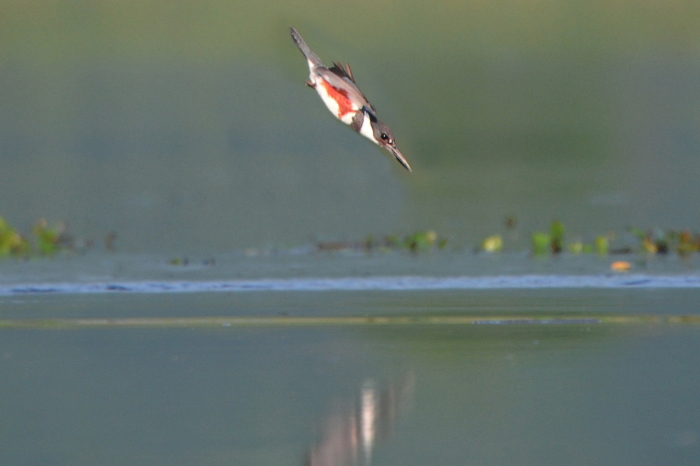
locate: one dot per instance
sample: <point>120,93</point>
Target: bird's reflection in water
<point>354,426</point>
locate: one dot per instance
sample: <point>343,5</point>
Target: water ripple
<point>400,283</point>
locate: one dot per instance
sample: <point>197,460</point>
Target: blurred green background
<point>186,126</point>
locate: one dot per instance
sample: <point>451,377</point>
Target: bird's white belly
<point>325,97</point>
<point>365,130</point>
<point>328,100</point>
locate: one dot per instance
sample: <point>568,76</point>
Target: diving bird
<point>338,90</point>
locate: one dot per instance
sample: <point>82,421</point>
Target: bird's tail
<point>308,53</point>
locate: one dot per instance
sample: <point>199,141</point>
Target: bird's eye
<point>385,137</point>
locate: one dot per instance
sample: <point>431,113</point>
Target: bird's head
<point>385,138</point>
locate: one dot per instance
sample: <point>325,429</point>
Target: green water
<point>188,128</point>
<point>185,129</point>
<point>614,393</point>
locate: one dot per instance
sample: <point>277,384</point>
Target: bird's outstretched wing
<point>341,77</point>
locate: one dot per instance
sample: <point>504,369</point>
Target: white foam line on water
<point>406,283</point>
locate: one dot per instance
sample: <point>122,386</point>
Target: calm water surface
<point>185,129</point>
<point>286,392</point>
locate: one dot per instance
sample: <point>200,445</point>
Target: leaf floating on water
<point>620,266</point>
<point>492,244</point>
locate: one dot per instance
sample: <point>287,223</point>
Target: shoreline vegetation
<point>47,240</point>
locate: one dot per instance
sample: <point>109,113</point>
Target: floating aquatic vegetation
<point>683,242</point>
<point>51,239</point>
<point>543,243</point>
<point>492,244</point>
<point>540,243</point>
<point>185,261</point>
<point>578,247</point>
<point>44,240</point>
<point>47,239</point>
<point>556,234</point>
<point>650,243</point>
<point>11,242</point>
<point>602,245</point>
<point>419,241</point>
<point>687,243</point>
<point>620,266</point>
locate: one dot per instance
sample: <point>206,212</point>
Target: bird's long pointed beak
<point>400,158</point>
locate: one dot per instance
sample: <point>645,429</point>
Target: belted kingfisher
<point>338,90</point>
